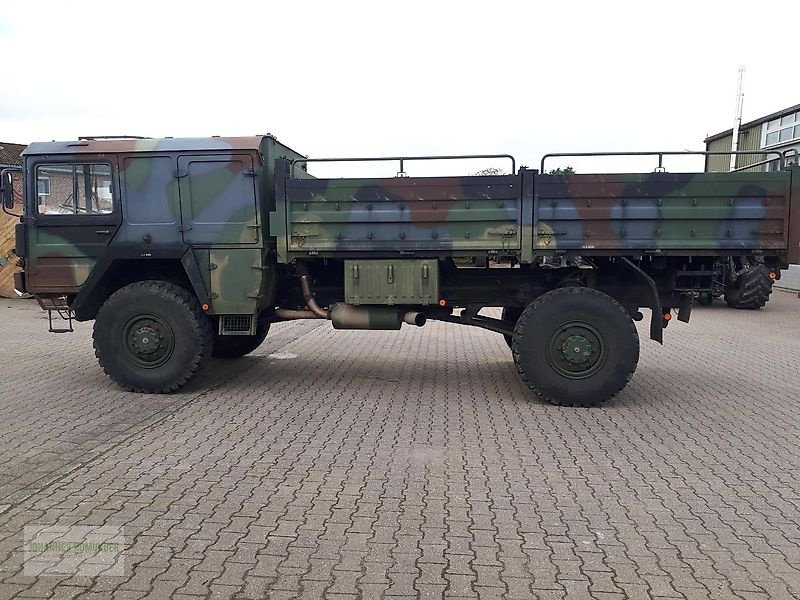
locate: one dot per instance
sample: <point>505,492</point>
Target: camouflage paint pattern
<point>392,281</point>
<point>530,215</point>
<point>436,214</point>
<point>236,279</point>
<point>794,219</point>
<point>667,213</point>
<point>56,263</point>
<point>348,316</point>
<point>201,194</point>
<point>229,203</point>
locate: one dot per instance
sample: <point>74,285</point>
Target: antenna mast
<point>737,123</point>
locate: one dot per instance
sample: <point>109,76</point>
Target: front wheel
<point>152,337</point>
<point>575,346</point>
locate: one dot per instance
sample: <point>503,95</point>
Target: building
<point>10,154</point>
<point>777,132</point>
<point>9,157</point>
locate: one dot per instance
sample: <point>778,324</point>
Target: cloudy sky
<point>366,78</point>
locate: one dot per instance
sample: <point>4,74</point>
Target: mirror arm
<point>8,212</point>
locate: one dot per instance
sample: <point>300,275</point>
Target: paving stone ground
<point>412,464</point>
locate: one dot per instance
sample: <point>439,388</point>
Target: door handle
<point>102,231</point>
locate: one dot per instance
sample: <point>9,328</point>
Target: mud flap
<point>654,302</point>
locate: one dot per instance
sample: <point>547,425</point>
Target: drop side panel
<point>413,214</point>
<point>662,212</point>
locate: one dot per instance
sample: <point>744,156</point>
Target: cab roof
<point>100,145</point>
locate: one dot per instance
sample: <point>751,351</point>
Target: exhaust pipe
<point>415,318</point>
<point>308,296</point>
<point>288,314</point>
<point>348,316</point>
<point>314,311</point>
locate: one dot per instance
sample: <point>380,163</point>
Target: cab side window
<point>74,189</point>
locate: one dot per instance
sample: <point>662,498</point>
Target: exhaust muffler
<point>349,316</point>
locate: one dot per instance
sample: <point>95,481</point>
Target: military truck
<point>186,249</point>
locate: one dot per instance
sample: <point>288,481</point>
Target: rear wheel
<point>751,290</point>
<point>236,346</point>
<point>152,337</point>
<point>575,346</point>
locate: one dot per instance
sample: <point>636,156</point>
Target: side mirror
<point>7,188</point>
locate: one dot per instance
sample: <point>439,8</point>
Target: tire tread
<point>754,291</point>
<point>556,296</point>
<point>179,296</point>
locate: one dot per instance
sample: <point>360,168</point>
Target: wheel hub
<point>149,341</point>
<point>576,350</point>
<point>146,340</point>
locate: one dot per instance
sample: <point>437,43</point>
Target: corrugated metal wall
<point>718,164</point>
<point>749,140</point>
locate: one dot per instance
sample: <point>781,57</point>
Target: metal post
<point>737,122</point>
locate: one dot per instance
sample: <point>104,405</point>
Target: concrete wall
<point>790,279</point>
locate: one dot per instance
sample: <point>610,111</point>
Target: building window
<point>74,189</point>
<point>781,131</point>
<point>791,157</point>
<point>43,185</point>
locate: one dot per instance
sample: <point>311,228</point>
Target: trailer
<point>184,249</point>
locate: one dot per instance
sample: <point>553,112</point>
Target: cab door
<point>72,215</point>
<point>218,199</point>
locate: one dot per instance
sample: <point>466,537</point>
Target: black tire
<point>236,346</point>
<point>152,337</point>
<point>511,315</point>
<point>751,290</point>
<point>596,325</point>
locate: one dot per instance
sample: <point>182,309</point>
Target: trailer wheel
<point>236,346</point>
<point>751,289</point>
<point>511,315</point>
<point>575,346</point>
<point>152,337</point>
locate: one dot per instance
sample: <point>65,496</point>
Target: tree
<point>490,171</point>
<point>561,171</point>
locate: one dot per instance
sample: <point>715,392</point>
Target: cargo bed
<point>529,215</point>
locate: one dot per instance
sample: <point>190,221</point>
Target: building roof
<point>759,121</point>
<point>10,154</point>
<point>102,145</point>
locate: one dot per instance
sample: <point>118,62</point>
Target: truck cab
<point>102,212</point>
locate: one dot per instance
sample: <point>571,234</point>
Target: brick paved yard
<point>414,464</point>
